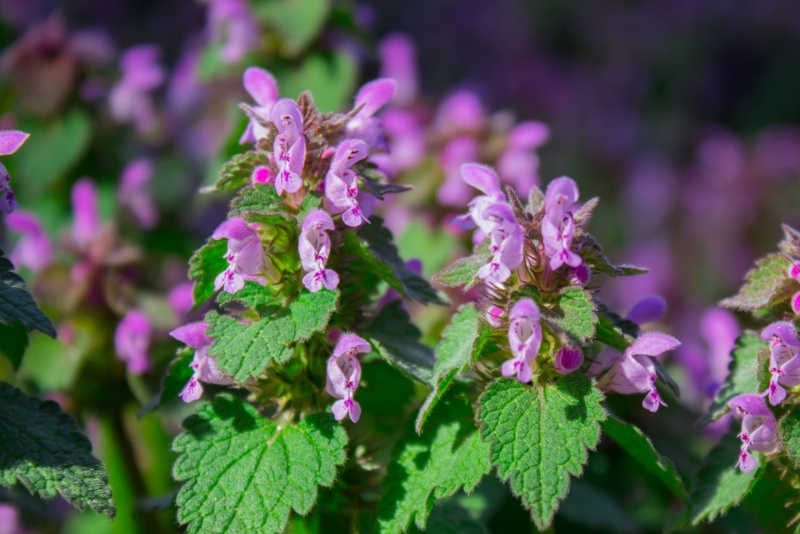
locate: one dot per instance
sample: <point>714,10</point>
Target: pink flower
<point>759,428</point>
<point>10,141</point>
<point>567,360</point>
<point>204,366</point>
<point>524,339</point>
<point>134,194</point>
<point>232,23</point>
<point>784,364</point>
<point>344,374</point>
<point>519,164</point>
<point>86,221</point>
<point>341,182</point>
<point>181,298</point>
<point>456,153</point>
<point>648,310</point>
<point>33,250</point>
<point>289,151</point>
<point>558,225</point>
<point>245,255</point>
<point>130,99</point>
<point>314,246</point>
<point>131,339</point>
<point>397,52</point>
<point>371,97</point>
<point>461,112</point>
<point>261,85</point>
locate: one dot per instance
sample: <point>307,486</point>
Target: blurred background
<point>683,116</point>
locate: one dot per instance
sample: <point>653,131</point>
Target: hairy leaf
<point>253,295</point>
<point>178,374</point>
<point>641,449</point>
<point>448,456</point>
<point>464,272</point>
<point>204,266</point>
<point>244,473</point>
<point>237,172</point>
<point>539,436</point>
<point>610,334</point>
<point>599,263</point>
<point>790,433</point>
<point>719,485</point>
<point>44,448</point>
<point>455,352</point>
<point>312,311</point>
<point>259,200</point>
<point>761,284</point>
<point>397,341</point>
<point>17,305</point>
<point>791,242</point>
<point>574,314</point>
<point>742,375</point>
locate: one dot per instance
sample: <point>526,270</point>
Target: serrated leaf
<point>244,350</point>
<point>311,312</point>
<point>43,448</point>
<point>16,304</point>
<point>455,352</point>
<point>373,245</point>
<point>448,456</point>
<point>237,172</point>
<point>634,442</point>
<point>397,341</point>
<point>253,295</point>
<point>243,473</point>
<point>464,272</point>
<point>259,200</point>
<point>610,334</point>
<point>790,434</point>
<point>535,200</point>
<point>539,436</point>
<point>204,266</point>
<point>178,374</point>
<point>742,375</point>
<point>574,314</point>
<point>761,284</point>
<point>13,342</point>
<point>719,485</point>
<point>594,258</point>
<point>791,242</point>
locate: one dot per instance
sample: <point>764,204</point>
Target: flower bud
<point>567,360</point>
<point>579,276</point>
<point>495,315</point>
<point>796,303</point>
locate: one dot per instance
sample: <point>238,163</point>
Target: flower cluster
<point>344,374</point>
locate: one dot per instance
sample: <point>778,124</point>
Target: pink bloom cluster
<point>524,339</point>
<point>204,366</point>
<point>315,247</point>
<point>784,364</point>
<point>759,428</point>
<point>558,225</point>
<point>344,374</point>
<point>245,255</point>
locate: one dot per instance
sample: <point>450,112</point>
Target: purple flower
<point>494,315</point>
<point>263,175</point>
<point>635,371</point>
<point>263,88</point>
<point>341,182</point>
<point>648,310</point>
<point>131,339</point>
<point>397,52</point>
<point>86,221</point>
<point>344,374</point>
<point>506,240</point>
<point>314,246</point>
<point>33,250</point>
<point>10,141</point>
<point>784,365</point>
<point>455,154</point>
<point>204,366</point>
<point>461,112</point>
<point>579,276</point>
<point>759,428</point>
<point>134,194</point>
<point>558,225</point>
<point>289,151</point>
<point>406,142</point>
<point>795,303</point>
<point>519,164</point>
<point>524,338</point>
<point>245,255</point>
<point>130,99</point>
<point>232,23</point>
<point>181,298</point>
<point>483,178</point>
<point>567,360</point>
<point>371,97</point>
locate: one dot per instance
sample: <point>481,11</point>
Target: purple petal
<point>374,95</point>
<point>652,344</point>
<point>86,223</point>
<point>330,278</point>
<point>355,411</point>
<point>784,330</point>
<point>261,85</point>
<point>461,111</point>
<point>286,116</point>
<point>567,360</point>
<point>339,409</point>
<point>648,310</point>
<point>351,344</point>
<point>529,135</point>
<point>652,401</point>
<point>750,403</point>
<point>746,461</point>
<point>263,175</point>
<point>525,308</point>
<point>192,391</point>
<point>579,276</point>
<point>313,281</point>
<point>509,367</point>
<point>193,335</point>
<point>397,53</point>
<point>795,303</point>
<point>131,339</point>
<point>347,154</point>
<point>235,229</point>
<point>525,373</point>
<point>561,194</point>
<point>483,178</point>
<point>631,375</point>
<point>33,250</point>
<point>181,298</point>
<point>11,140</point>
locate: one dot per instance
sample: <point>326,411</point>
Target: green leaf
<point>178,374</point>
<point>419,240</point>
<point>297,21</point>
<point>17,305</point>
<point>761,285</point>
<point>397,341</point>
<point>204,266</point>
<point>253,295</point>
<point>791,242</point>
<point>790,434</point>
<point>461,342</point>
<point>641,449</point>
<point>13,342</point>
<point>574,314</point>
<point>742,375</point>
<point>599,263</point>
<point>464,272</point>
<point>43,448</point>
<point>245,350</point>
<point>448,456</point>
<point>590,506</point>
<point>539,436</point>
<point>774,501</point>
<point>244,473</point>
<point>374,247</point>
<point>258,200</point>
<point>610,334</point>
<point>237,172</point>
<point>719,484</point>
<point>311,312</point>
<point>331,78</point>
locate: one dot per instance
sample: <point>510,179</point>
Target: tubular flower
<point>759,428</point>
<point>86,224</point>
<point>635,372</point>
<point>344,374</point>
<point>131,339</point>
<point>524,338</point>
<point>567,360</point>
<point>519,164</point>
<point>314,246</point>
<point>371,97</point>
<point>245,256</point>
<point>133,192</point>
<point>10,141</point>
<point>341,182</point>
<point>204,366</point>
<point>289,151</point>
<point>131,99</point>
<point>33,250</point>
<point>558,225</point>
<point>260,85</point>
<point>784,365</point>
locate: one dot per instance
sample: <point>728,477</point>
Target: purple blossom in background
<point>134,193</point>
<point>461,112</point>
<point>648,310</point>
<point>519,164</point>
<point>233,24</point>
<point>10,141</point>
<point>341,182</point>
<point>784,364</point>
<point>759,428</point>
<point>456,153</point>
<point>406,142</point>
<point>263,88</point>
<point>314,246</point>
<point>245,255</point>
<point>558,225</point>
<point>131,97</point>
<point>204,366</point>
<point>289,151</point>
<point>10,522</point>
<point>370,98</point>
<point>131,339</point>
<point>33,250</point>
<point>86,218</point>
<point>567,360</point>
<point>397,54</point>
<point>181,298</point>
<point>524,339</point>
<point>344,374</point>
<point>635,372</point>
